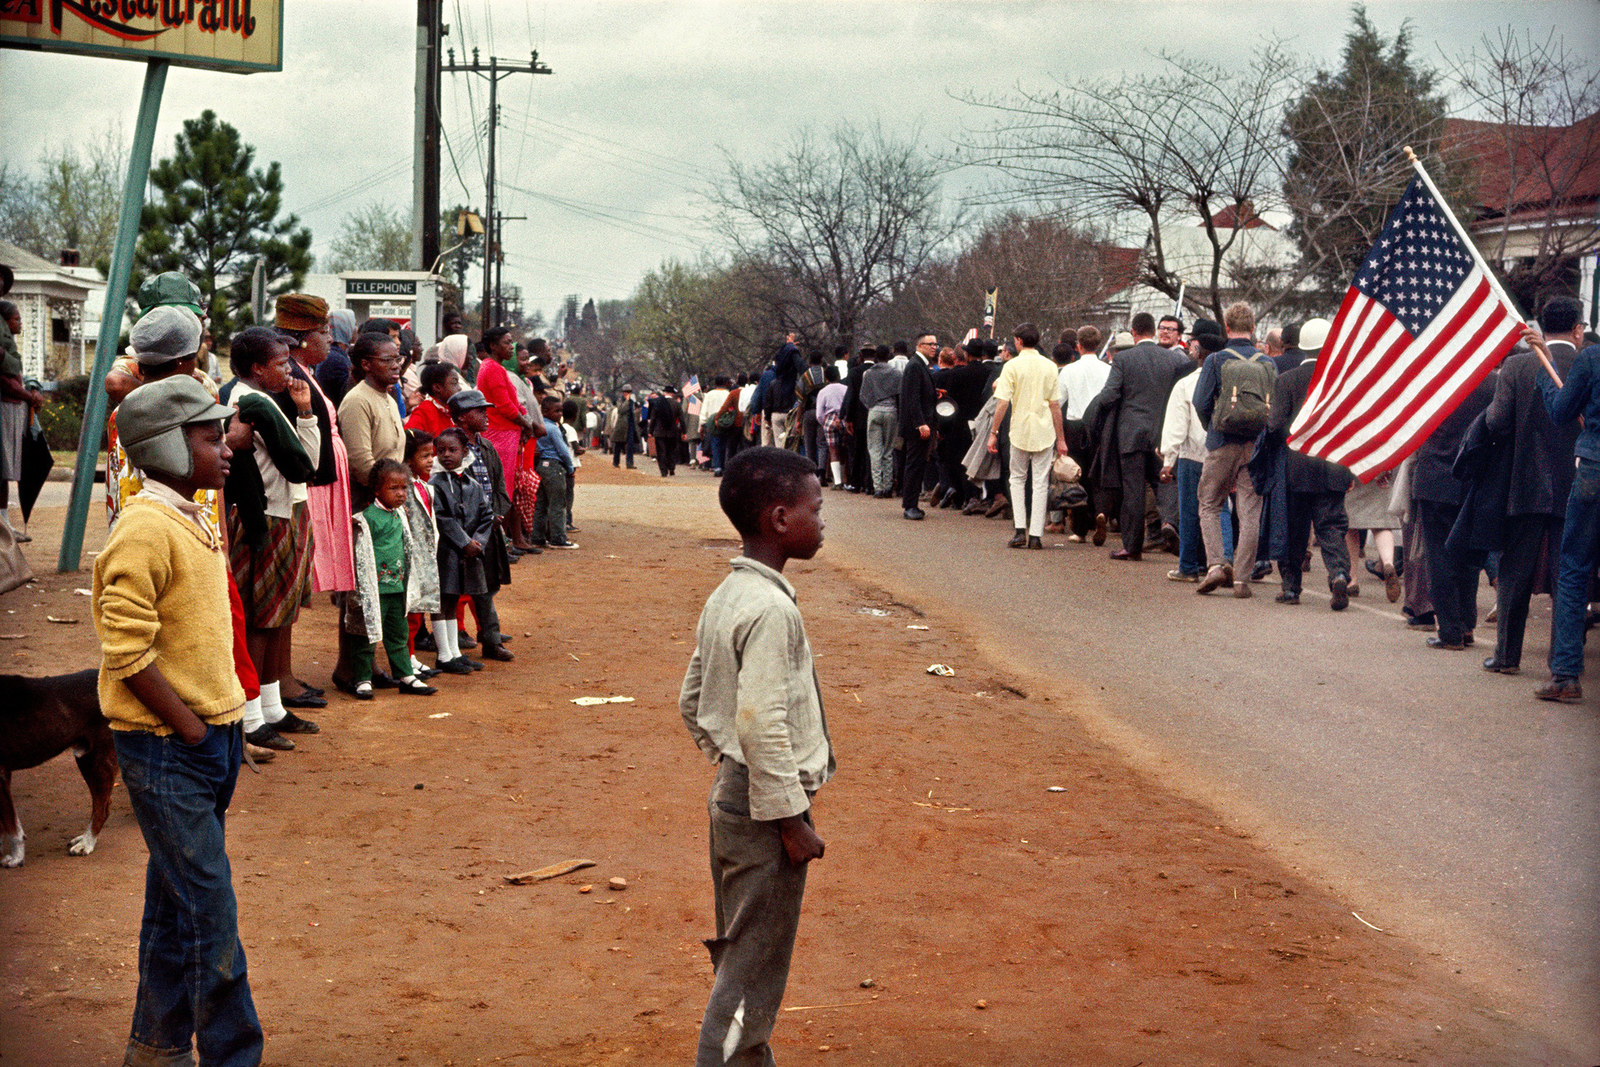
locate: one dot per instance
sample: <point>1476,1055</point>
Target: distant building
<point>1536,201</point>
<point>55,341</point>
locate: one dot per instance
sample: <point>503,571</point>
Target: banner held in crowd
<point>1422,324</point>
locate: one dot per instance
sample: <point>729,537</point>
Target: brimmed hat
<point>165,333</point>
<point>467,400</point>
<point>1204,327</point>
<point>300,311</point>
<point>1123,340</point>
<point>169,288</point>
<point>1314,334</point>
<point>151,419</point>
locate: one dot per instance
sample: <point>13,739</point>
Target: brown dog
<point>39,719</point>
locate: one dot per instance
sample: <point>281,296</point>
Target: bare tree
<point>1047,270</point>
<point>1152,153</point>
<point>1535,157</point>
<point>845,220</point>
<point>704,318</point>
<point>375,237</point>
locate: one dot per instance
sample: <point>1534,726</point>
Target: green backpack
<point>1245,401</point>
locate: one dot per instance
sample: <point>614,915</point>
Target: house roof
<point>1526,171</point>
<point>20,259</point>
<point>1228,218</point>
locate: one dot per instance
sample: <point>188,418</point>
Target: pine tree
<point>214,217</point>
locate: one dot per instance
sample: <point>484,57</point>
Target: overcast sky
<point>607,157</point>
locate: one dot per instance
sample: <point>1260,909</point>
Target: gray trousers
<point>1223,470</point>
<point>757,892</point>
<point>882,426</point>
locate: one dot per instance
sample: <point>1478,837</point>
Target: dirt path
<point>1108,923</point>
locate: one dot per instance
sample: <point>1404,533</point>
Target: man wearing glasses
<point>1169,333</point>
<point>917,397</point>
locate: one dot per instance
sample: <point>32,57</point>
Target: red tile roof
<point>1227,218</point>
<point>1525,170</point>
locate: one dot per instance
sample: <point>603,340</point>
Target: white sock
<point>444,636</point>
<point>837,466</point>
<point>272,708</point>
<point>252,715</point>
<point>417,665</point>
<point>455,638</point>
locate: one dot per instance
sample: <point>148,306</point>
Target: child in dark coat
<point>466,522</point>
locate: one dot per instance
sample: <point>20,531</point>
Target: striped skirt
<point>273,581</point>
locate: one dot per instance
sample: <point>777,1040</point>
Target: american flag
<point>1421,326</point>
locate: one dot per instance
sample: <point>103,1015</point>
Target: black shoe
<point>1019,540</point>
<point>1169,538</point>
<point>497,653</point>
<point>427,672</point>
<point>294,724</point>
<point>463,641</point>
<point>348,688</point>
<point>304,701</point>
<point>424,642</point>
<point>1496,667</point>
<point>415,688</point>
<point>1262,569</point>
<point>1035,542</point>
<point>914,513</point>
<point>1287,598</point>
<point>975,506</point>
<point>1340,588</point>
<point>1560,690</point>
<point>266,737</point>
<point>471,663</point>
<point>311,690</point>
<point>381,680</point>
<point>454,666</point>
<point>1447,646</point>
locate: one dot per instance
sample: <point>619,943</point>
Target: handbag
<point>1065,469</point>
<point>14,569</point>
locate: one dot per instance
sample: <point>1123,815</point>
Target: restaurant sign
<point>238,36</point>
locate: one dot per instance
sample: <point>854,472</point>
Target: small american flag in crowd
<point>692,386</point>
<point>1421,326</point>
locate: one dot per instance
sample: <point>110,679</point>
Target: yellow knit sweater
<point>161,596</point>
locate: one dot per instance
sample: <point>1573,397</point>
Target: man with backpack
<point>807,386</point>
<point>1233,398</point>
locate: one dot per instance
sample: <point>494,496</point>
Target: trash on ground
<point>589,702</point>
<point>1056,789</point>
<point>942,671</point>
<point>914,626</point>
<point>64,622</point>
<point>440,715</point>
<point>83,592</point>
<point>555,870</point>
<point>878,613</point>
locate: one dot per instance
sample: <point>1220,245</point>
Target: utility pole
<point>494,71</point>
<point>425,165</point>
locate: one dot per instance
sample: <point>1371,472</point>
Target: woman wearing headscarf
<point>333,373</point>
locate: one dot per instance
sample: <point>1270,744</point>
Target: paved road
<point>1445,804</point>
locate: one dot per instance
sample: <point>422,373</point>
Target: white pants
<point>1026,465</point>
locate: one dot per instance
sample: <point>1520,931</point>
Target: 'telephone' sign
<point>240,36</point>
<point>379,287</point>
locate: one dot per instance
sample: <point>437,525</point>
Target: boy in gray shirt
<point>752,704</point>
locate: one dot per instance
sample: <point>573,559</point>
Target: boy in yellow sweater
<point>175,705</point>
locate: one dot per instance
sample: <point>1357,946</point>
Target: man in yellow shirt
<point>1026,388</point>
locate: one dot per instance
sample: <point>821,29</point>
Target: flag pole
<point>1477,257</point>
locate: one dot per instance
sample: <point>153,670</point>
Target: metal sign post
<point>94,408</point>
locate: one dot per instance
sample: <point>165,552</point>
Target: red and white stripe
<point>1378,392</point>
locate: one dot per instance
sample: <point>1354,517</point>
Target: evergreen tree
<point>1348,131</point>
<point>214,217</point>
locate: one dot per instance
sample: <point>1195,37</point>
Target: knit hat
<point>165,333</point>
<point>151,419</point>
<point>169,288</point>
<point>301,311</point>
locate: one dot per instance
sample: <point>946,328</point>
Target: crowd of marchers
<point>1173,437</point>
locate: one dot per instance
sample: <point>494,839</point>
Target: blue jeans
<point>1191,548</point>
<point>193,989</point>
<point>718,450</point>
<point>1580,554</point>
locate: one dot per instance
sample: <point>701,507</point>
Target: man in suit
<point>1316,487</point>
<point>1541,473</point>
<point>1438,495</point>
<point>855,419</point>
<point>666,426</point>
<point>1140,381</point>
<point>917,397</point>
